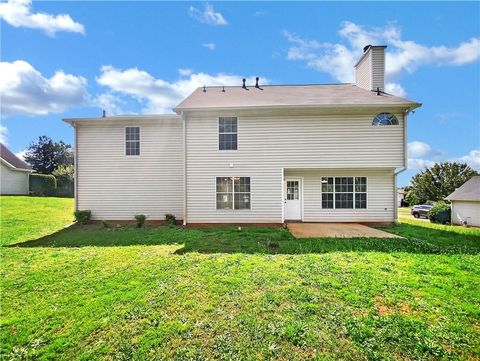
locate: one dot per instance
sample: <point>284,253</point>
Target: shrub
<point>140,218</point>
<point>170,219</point>
<point>65,180</point>
<point>440,213</point>
<point>82,217</point>
<point>42,184</point>
<point>105,224</point>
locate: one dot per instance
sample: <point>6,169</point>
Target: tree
<point>437,182</point>
<point>45,155</point>
<point>65,175</point>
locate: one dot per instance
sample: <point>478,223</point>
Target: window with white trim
<point>132,141</point>
<point>344,192</point>
<point>227,133</point>
<point>233,193</point>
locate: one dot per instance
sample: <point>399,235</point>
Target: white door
<point>293,199</point>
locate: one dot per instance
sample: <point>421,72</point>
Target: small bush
<point>82,217</point>
<point>42,184</point>
<point>170,219</point>
<point>65,180</point>
<point>440,213</point>
<point>140,218</point>
<point>105,224</point>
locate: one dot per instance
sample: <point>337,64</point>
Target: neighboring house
<point>14,174</point>
<point>466,203</point>
<point>252,154</point>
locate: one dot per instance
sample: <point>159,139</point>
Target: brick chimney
<point>370,69</point>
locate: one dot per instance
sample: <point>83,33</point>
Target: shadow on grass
<point>256,240</point>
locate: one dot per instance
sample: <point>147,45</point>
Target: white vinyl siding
<point>13,181</point>
<point>363,72</point>
<point>464,209</point>
<point>378,68</point>
<point>328,141</point>
<point>116,187</point>
<point>380,196</point>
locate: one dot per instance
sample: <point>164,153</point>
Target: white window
<point>344,192</point>
<point>233,192</point>
<point>227,133</point>
<point>132,141</point>
<point>385,119</point>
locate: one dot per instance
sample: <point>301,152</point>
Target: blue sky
<point>79,57</point>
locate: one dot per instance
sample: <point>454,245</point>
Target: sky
<point>73,59</point>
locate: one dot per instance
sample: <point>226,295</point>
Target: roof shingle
<point>469,191</point>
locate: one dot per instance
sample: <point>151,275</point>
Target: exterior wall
<point>363,73</point>
<point>13,181</point>
<point>463,209</point>
<point>269,143</point>
<point>378,68</point>
<point>380,195</point>
<point>115,186</point>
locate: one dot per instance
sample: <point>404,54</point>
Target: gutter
<point>405,163</point>
<point>184,169</point>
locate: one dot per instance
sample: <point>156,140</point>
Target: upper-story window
<point>385,119</point>
<point>227,133</point>
<point>132,141</point>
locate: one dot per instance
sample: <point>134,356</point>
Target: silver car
<point>421,210</point>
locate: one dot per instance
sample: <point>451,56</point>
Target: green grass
<point>24,218</point>
<point>219,293</point>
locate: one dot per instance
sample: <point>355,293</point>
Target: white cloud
<point>338,59</point>
<point>419,164</point>
<point>418,149</point>
<point>185,72</point>
<point>207,16</point>
<point>26,91</point>
<point>210,46</point>
<point>258,13</point>
<point>21,154</point>
<point>111,103</point>
<point>395,89</point>
<point>18,13</point>
<point>472,159</point>
<point>3,134</point>
<point>156,95</point>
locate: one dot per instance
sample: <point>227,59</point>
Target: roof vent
<point>103,113</point>
<point>223,90</point>
<point>204,89</point>
<point>378,91</point>
<point>256,82</point>
<point>365,48</point>
<point>244,86</point>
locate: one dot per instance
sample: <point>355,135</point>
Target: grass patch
<point>23,218</point>
<point>91,293</point>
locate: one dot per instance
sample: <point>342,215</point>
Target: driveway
<point>342,230</point>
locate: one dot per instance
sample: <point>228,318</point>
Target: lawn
<point>220,293</point>
<point>24,218</point>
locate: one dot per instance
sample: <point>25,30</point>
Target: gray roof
<point>330,95</point>
<point>12,159</point>
<point>469,191</point>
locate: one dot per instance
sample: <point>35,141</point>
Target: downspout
<point>405,165</point>
<point>184,169</point>
<point>75,161</point>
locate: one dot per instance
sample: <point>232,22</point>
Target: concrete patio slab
<point>341,230</point>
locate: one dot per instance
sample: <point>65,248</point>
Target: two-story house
<point>252,154</point>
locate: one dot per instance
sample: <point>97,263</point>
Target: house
<point>252,154</point>
<point>466,203</point>
<point>14,174</point>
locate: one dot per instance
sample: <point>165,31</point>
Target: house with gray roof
<point>252,153</point>
<point>14,173</point>
<point>466,203</point>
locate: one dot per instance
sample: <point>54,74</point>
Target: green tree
<point>45,155</point>
<point>437,182</point>
<point>65,180</point>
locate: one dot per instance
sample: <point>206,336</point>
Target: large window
<point>344,192</point>
<point>227,133</point>
<point>233,192</point>
<point>132,140</point>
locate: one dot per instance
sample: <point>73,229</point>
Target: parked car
<point>421,210</point>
